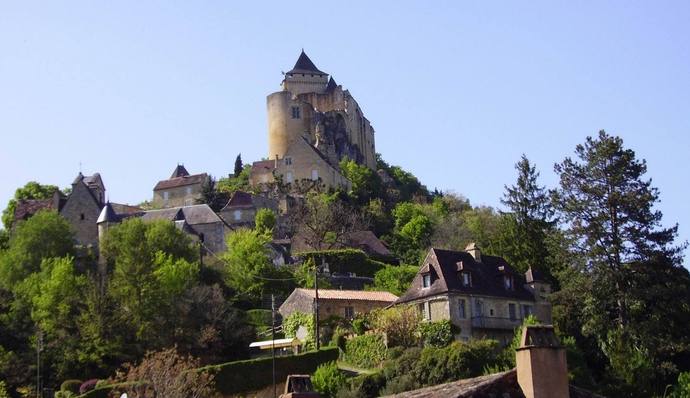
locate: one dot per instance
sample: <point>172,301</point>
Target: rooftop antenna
<point>80,166</point>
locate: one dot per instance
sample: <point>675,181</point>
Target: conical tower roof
<point>107,214</point>
<point>304,65</point>
<point>180,171</point>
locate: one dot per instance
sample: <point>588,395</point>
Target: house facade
<point>342,303</point>
<point>482,295</point>
<point>242,207</point>
<point>181,189</point>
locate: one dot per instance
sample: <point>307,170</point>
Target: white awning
<point>279,343</point>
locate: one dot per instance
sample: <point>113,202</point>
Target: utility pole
<point>39,347</point>
<point>273,340</point>
<point>316,304</point>
<point>201,251</point>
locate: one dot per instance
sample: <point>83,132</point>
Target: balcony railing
<point>491,322</point>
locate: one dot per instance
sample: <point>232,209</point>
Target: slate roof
<point>107,214</point>
<point>239,199</point>
<point>502,384</point>
<point>181,181</point>
<point>487,276</point>
<point>28,207</point>
<point>304,65</point>
<point>332,294</point>
<point>332,85</point>
<point>179,171</point>
<point>368,242</point>
<point>192,215</point>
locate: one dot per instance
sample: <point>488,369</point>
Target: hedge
<point>254,374</point>
<point>259,318</point>
<point>71,385</point>
<point>344,261</point>
<point>366,351</point>
<point>104,391</point>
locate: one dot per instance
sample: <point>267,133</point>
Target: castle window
<point>466,279</point>
<point>314,174</point>
<point>426,280</point>
<point>295,112</point>
<point>288,160</point>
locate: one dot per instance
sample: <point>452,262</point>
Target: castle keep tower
<point>311,107</point>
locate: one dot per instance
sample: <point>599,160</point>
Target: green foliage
<point>249,269</point>
<point>328,379</point>
<point>681,390</point>
<point>32,190</point>
<point>344,261</point>
<point>366,184</point>
<point>293,321</point>
<point>365,351</point>
<point>238,182</point>
<point>265,221</point>
<point>359,326</point>
<point>71,385</point>
<point>174,276</point>
<point>3,390</point>
<point>509,351</point>
<point>45,235</point>
<point>436,334</point>
<point>394,279</point>
<point>254,374</point>
<point>400,325</point>
<point>456,361</point>
<point>238,165</point>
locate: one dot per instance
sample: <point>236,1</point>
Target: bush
<point>366,351</point>
<point>436,334</point>
<point>344,261</point>
<point>294,321</point>
<point>71,386</point>
<point>359,325</point>
<point>456,361</point>
<point>339,337</point>
<point>400,324</point>
<point>363,386</point>
<point>253,374</point>
<point>328,379</point>
<point>3,390</point>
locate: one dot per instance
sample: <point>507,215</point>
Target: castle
<point>313,124</point>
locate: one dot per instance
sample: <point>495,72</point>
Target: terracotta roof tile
<point>332,294</point>
<point>181,181</point>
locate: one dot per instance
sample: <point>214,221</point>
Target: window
<point>466,279</point>
<point>349,312</point>
<point>81,216</point>
<point>508,282</point>
<point>491,312</point>
<point>189,190</point>
<point>295,112</point>
<point>288,177</point>
<point>511,311</point>
<point>478,308</point>
<point>314,174</point>
<point>188,202</point>
<point>166,195</point>
<point>426,280</point>
<point>238,215</point>
<point>288,161</point>
<point>425,311</point>
<point>461,308</point>
<point>526,310</point>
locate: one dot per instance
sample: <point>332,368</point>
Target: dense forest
<point>621,292</point>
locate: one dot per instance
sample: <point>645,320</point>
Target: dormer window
<point>426,280</point>
<point>508,282</point>
<point>466,278</point>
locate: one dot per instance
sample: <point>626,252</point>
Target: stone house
<point>242,207</point>
<point>312,125</point>
<point>26,208</point>
<point>199,221</point>
<point>342,303</point>
<point>181,189</point>
<point>83,206</point>
<point>482,295</point>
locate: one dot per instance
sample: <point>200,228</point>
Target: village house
<point>240,211</point>
<point>482,295</point>
<point>181,189</point>
<point>343,303</point>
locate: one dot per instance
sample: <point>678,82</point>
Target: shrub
<point>359,325</point>
<point>253,374</point>
<point>436,334</point>
<point>344,261</point>
<point>71,386</point>
<point>328,379</point>
<point>339,337</point>
<point>294,321</point>
<point>400,324</point>
<point>456,361</point>
<point>363,386</point>
<point>366,351</point>
<point>3,390</point>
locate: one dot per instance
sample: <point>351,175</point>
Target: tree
<point>523,231</point>
<point>399,323</point>
<point>607,208</point>
<point>45,235</point>
<point>395,279</point>
<point>32,190</point>
<point>325,222</point>
<point>214,198</point>
<point>165,374</point>
<point>265,221</point>
<point>238,165</point>
<point>365,183</point>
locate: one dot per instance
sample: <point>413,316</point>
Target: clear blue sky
<point>456,91</point>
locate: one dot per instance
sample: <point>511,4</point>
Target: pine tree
<point>238,165</point>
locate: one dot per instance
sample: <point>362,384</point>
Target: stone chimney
<point>542,370</point>
<point>473,249</point>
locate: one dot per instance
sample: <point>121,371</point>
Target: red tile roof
<point>333,294</point>
<point>181,181</point>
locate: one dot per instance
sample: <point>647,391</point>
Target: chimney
<point>542,370</point>
<point>473,249</point>
<point>275,164</point>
